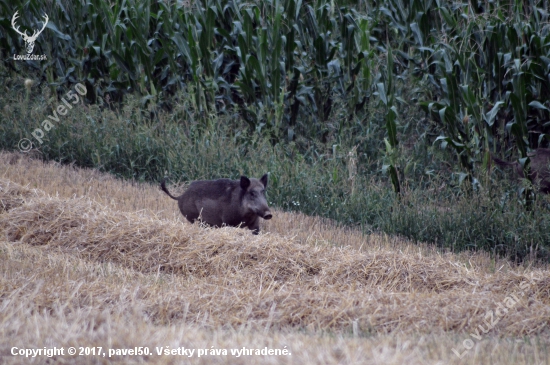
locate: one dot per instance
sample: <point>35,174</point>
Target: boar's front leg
<point>255,226</point>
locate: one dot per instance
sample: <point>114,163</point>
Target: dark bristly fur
<point>225,202</point>
<point>540,168</point>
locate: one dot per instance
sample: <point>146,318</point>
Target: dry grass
<point>88,260</point>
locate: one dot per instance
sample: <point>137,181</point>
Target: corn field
<point>292,69</point>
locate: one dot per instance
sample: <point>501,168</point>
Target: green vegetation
<point>218,88</point>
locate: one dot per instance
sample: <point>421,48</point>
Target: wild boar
<point>225,202</point>
<point>540,168</point>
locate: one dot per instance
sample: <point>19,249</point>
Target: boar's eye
<point>253,193</point>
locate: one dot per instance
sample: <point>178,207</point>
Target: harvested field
<point>89,260</point>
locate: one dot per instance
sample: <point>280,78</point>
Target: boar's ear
<point>263,180</point>
<point>245,182</point>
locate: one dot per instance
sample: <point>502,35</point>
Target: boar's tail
<point>163,187</point>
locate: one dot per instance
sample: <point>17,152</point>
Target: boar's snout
<point>267,215</point>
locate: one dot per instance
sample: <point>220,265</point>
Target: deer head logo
<point>29,40</point>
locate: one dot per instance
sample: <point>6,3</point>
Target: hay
<point>56,299</point>
<point>232,278</point>
<point>13,195</point>
<point>90,260</point>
